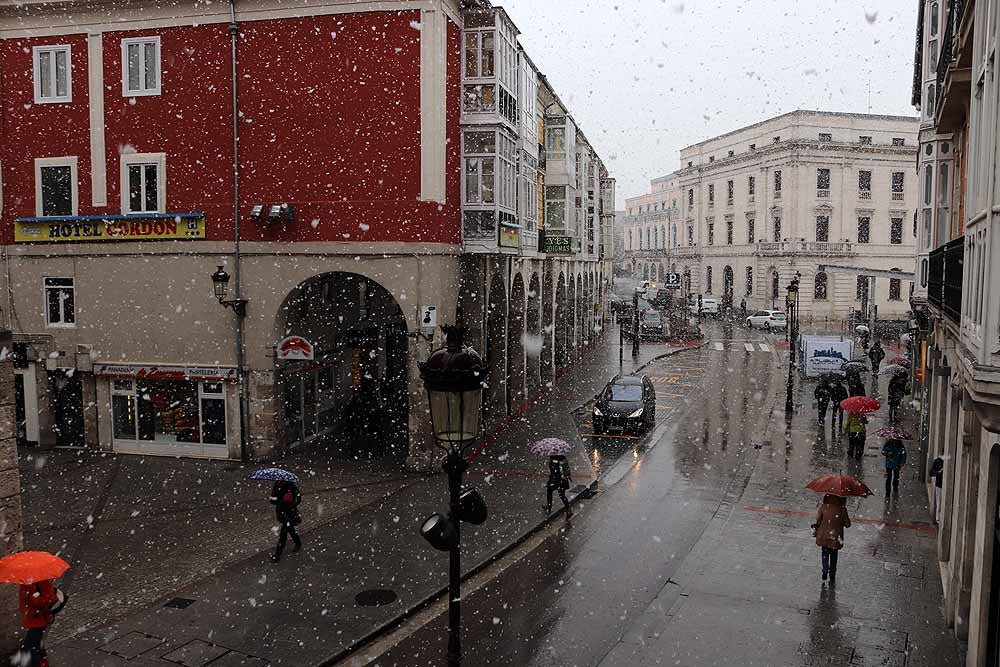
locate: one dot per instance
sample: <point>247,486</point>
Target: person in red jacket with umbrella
<point>36,605</point>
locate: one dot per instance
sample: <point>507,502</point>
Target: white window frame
<point>131,159</point>
<point>142,92</point>
<point>36,73</point>
<point>65,161</point>
<point>45,302</point>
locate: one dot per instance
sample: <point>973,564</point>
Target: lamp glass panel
<point>455,415</point>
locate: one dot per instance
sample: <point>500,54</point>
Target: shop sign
<point>210,373</point>
<point>558,245</point>
<point>295,348</point>
<point>510,237</point>
<point>115,228</point>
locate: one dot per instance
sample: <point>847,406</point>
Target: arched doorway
<point>496,349</point>
<point>352,397</point>
<point>515,342</point>
<point>580,314</point>
<point>549,335</point>
<point>562,322</point>
<point>533,344</point>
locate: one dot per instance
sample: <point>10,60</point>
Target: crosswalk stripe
<point>719,347</point>
<point>764,347</point>
<point>748,347</point>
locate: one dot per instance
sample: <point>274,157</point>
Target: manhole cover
<point>376,597</point>
<point>179,603</point>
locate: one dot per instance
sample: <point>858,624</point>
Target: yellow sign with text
<point>115,229</point>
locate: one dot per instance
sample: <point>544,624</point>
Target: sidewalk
<point>303,610</point>
<point>750,592</point>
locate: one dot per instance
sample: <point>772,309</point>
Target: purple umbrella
<point>550,447</point>
<point>893,433</point>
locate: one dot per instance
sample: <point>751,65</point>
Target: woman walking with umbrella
<point>38,599</point>
<point>856,424</point>
<point>559,472</point>
<point>832,517</point>
<point>285,497</point>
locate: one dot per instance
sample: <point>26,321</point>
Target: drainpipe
<point>234,30</point>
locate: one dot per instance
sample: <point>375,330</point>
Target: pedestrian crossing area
<point>740,346</point>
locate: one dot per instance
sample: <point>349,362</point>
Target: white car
<point>708,306</point>
<point>767,319</point>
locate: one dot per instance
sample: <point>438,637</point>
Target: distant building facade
<point>749,210</point>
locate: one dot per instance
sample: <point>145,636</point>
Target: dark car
<point>627,403</point>
<point>652,325</point>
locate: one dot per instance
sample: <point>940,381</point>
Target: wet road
<point>572,599</point>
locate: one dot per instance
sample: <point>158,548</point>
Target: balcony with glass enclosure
<point>489,191</point>
<point>489,68</point>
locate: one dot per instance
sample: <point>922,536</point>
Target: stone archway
<point>495,396</point>
<point>562,321</point>
<point>515,342</point>
<point>534,347</point>
<point>548,331</point>
<point>352,397</point>
<point>580,315</point>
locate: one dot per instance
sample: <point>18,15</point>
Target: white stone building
<point>750,209</point>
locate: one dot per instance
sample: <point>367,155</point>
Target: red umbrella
<point>839,485</point>
<point>902,361</point>
<point>860,404</point>
<point>29,567</point>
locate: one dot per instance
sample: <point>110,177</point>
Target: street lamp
<point>453,377</point>
<point>792,306</point>
<point>220,285</point>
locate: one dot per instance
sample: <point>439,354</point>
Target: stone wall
<point>11,538</point>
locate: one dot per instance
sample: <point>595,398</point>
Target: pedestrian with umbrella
<point>832,517</point>
<point>837,394</point>
<point>38,599</point>
<point>559,472</point>
<point>856,424</point>
<point>895,457</point>
<point>876,354</point>
<point>285,497</point>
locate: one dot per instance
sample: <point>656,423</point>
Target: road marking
<point>764,347</point>
<point>719,347</point>
<point>748,347</point>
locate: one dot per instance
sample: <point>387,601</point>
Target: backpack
<point>288,498</point>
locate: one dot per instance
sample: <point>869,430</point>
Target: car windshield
<point>652,317</point>
<point>778,316</point>
<point>625,392</point>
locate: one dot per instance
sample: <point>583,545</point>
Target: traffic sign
<point>673,281</point>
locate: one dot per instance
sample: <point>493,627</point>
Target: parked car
<point>709,306</point>
<point>652,325</point>
<point>627,404</point>
<point>767,319</point>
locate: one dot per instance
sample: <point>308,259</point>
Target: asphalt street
<point>571,600</point>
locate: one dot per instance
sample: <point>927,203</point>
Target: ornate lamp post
<point>453,377</point>
<point>792,308</point>
<point>220,284</point>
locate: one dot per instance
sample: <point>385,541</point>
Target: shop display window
<point>164,411</point>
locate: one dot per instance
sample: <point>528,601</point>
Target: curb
<point>420,605</point>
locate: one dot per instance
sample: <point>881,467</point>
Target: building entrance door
<point>26,405</point>
<point>67,403</point>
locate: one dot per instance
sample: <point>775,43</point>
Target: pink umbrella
<point>893,433</point>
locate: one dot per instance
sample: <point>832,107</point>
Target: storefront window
<point>164,411</point>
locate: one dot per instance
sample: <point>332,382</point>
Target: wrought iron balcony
<point>799,247</point>
<point>944,279</point>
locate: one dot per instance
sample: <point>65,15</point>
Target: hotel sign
<point>111,228</point>
<point>144,372</point>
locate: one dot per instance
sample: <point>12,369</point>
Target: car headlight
<point>637,413</point>
<point>597,412</point>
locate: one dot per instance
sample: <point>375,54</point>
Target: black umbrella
<point>853,366</point>
<point>830,378</point>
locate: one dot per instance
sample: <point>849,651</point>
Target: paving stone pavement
<point>201,534</point>
<point>750,592</point>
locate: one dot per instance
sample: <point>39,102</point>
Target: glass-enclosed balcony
<point>489,68</point>
<point>489,191</point>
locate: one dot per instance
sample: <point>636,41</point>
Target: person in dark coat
<point>937,474</point>
<point>822,395</point>
<point>559,479</point>
<point>897,389</point>
<point>285,497</point>
<point>837,394</point>
<point>831,520</point>
<point>895,456</point>
<point>876,354</point>
<point>36,603</point>
<point>855,385</point>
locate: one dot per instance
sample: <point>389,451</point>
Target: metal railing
<point>799,247</point>
<point>944,279</point>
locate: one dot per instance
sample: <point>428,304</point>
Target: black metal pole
<point>455,466</point>
<point>790,383</point>
<point>635,323</point>
<point>621,345</point>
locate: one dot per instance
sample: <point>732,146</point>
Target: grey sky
<point>646,77</point>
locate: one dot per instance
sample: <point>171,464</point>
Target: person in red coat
<point>36,603</point>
